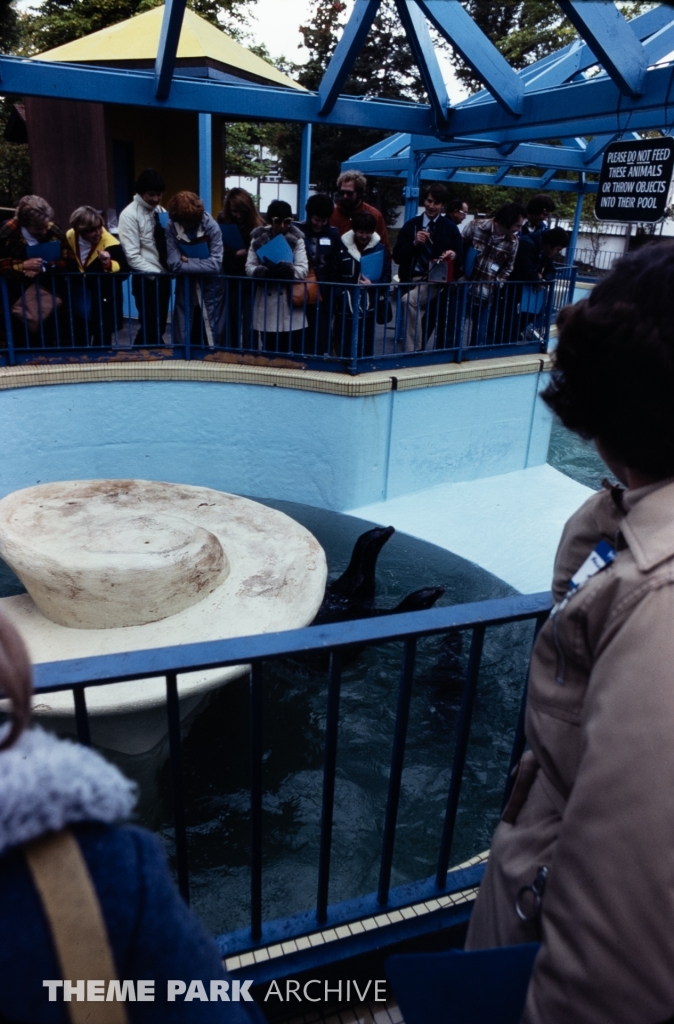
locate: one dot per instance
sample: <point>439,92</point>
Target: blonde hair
<point>86,218</point>
<point>16,680</point>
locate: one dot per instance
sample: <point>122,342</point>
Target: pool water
<point>216,751</point>
<point>215,746</point>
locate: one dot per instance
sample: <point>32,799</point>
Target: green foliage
<point>242,149</point>
<point>525,30</point>
<point>384,68</point>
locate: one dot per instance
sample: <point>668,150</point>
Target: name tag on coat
<point>597,560</point>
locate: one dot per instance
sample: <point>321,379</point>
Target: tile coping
<point>301,380</point>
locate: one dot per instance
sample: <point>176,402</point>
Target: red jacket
<point>342,221</point>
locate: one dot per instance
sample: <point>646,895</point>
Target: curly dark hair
<point>613,374</point>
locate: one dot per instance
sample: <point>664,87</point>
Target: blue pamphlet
<point>231,237</point>
<point>469,257</point>
<point>276,251</point>
<point>372,266</point>
<point>48,251</point>
<point>195,250</point>
<point>163,218</point>
<point>533,300</point>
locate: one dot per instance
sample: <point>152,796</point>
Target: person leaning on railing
<point>33,293</point>
<point>582,859</point>
<point>280,325</point>
<point>323,246</point>
<point>490,247</point>
<point>85,902</point>
<point>370,300</point>
<point>194,248</point>
<point>238,211</point>
<point>143,237</point>
<point>424,240</point>
<point>523,302</point>
<point>96,301</point>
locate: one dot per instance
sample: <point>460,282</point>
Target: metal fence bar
<point>8,321</point>
<point>175,748</point>
<point>397,759</point>
<point>256,753</point>
<point>82,716</point>
<point>520,738</point>
<point>329,771</point>
<point>469,691</point>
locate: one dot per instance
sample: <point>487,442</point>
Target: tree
<point>385,67</point>
<point>525,30</point>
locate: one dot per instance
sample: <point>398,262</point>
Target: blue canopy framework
<point>603,85</point>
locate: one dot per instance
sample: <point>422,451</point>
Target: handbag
<point>34,306</point>
<point>306,291</point>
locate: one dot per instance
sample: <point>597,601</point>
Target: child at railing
<point>84,903</point>
<point>96,300</point>
<point>363,253</point>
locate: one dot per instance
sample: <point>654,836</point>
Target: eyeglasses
<point>286,221</point>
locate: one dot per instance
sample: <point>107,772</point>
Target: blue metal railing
<point>77,675</point>
<point>339,327</point>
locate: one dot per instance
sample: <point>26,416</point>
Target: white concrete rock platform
<point>509,524</point>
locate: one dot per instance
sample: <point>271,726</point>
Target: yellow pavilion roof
<point>137,39</point>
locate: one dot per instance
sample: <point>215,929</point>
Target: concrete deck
<point>509,524</point>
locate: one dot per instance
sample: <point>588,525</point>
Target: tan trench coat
<point>594,800</point>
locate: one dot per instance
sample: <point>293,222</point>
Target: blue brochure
<point>231,237</point>
<point>195,250</point>
<point>162,217</point>
<point>372,266</point>
<point>276,251</point>
<point>48,251</point>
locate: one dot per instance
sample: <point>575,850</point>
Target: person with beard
<point>351,187</point>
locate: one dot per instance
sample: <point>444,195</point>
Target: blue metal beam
<point>205,161</point>
<point>523,155</point>
<point>419,39</point>
<point>346,51</point>
<point>655,29</point>
<point>612,41</point>
<point>591,107</point>
<point>576,224</point>
<point>169,38</point>
<point>245,99</point>
<point>493,70</point>
<point>305,171</point>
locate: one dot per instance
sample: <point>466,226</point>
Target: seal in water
<point>351,596</point>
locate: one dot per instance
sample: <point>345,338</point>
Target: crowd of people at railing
<point>322,285</point>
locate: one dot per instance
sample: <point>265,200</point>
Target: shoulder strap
<point>76,921</point>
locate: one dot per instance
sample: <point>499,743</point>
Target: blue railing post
<point>188,317</point>
<point>82,716</point>
<point>173,715</point>
<point>256,801</point>
<point>355,325</point>
<point>469,691</point>
<point>8,322</point>
<point>397,759</point>
<point>330,766</point>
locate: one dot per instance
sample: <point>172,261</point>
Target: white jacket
<point>136,233</point>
